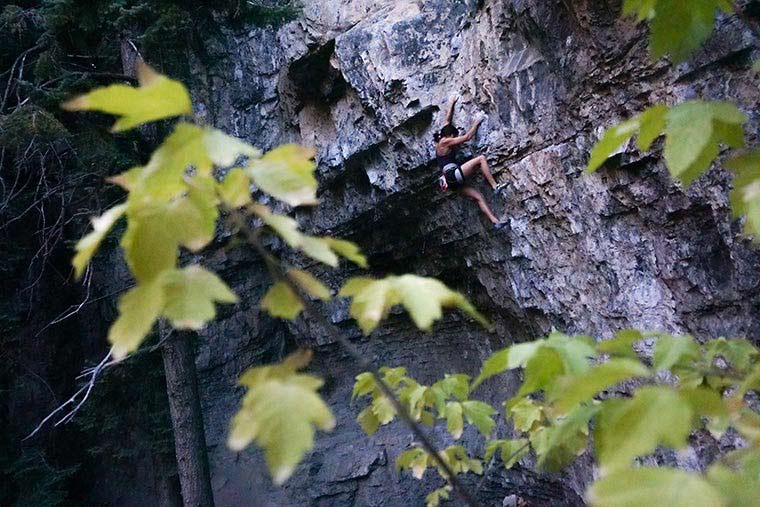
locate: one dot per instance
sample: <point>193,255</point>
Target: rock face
<point>365,82</point>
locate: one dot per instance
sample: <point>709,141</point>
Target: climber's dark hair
<point>447,130</point>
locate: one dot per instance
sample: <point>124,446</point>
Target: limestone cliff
<point>364,82</point>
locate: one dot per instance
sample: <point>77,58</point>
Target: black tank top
<point>444,160</point>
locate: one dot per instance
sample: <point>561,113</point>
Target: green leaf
<point>738,489</point>
<point>525,413</point>
<point>87,246</point>
<point>678,27</point>
<point>644,9</point>
<point>750,383</point>
<point>156,229</point>
<point>575,351</point>
<point>479,414</point>
<point>626,429</point>
<point>648,125</point>
<point>193,216</point>
<point>611,141</point>
<point>745,196</point>
<point>459,461</point>
<point>416,460</point>
<point>224,150</point>
<point>542,369</point>
<point>312,286</point>
<point>454,421</point>
<point>435,496</point>
<point>235,189</point>
<point>456,385</point>
<point>651,125</point>
<point>748,424</point>
<point>511,451</point>
<point>383,409</point>
<point>347,250</point>
<point>188,147</point>
<point>287,173</point>
<point>739,353</point>
<point>422,297</point>
<point>157,97</point>
<point>279,412</point>
<point>573,390</point>
<point>670,351</point>
<point>324,250</point>
<point>281,302</point>
<point>506,359</point>
<point>556,446</point>
<point>621,344</point>
<point>318,249</point>
<point>653,487</point>
<point>139,309</point>
<point>393,376</point>
<point>286,227</point>
<point>163,178</point>
<point>427,418</point>
<point>694,131</point>
<point>283,370</point>
<point>368,421</point>
<point>412,396</point>
<point>190,297</point>
<point>365,384</point>
<point>150,247</point>
<point>707,403</point>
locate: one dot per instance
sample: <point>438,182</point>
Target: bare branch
<point>76,400</point>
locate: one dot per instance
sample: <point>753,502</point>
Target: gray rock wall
<point>365,82</point>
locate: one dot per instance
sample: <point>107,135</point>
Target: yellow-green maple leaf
<point>156,98</point>
<point>191,294</point>
<point>235,190</point>
<point>279,413</point>
<point>325,250</point>
<point>422,297</point>
<point>287,173</point>
<point>139,309</point>
<point>87,246</point>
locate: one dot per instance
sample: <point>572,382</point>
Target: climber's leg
<point>479,163</point>
<point>478,197</point>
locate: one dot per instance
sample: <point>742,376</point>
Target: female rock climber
<point>453,175</point>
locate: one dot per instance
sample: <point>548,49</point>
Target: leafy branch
<point>174,202</point>
<point>569,388</point>
<point>282,275</point>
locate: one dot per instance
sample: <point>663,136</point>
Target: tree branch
<point>84,392</point>
<point>279,274</point>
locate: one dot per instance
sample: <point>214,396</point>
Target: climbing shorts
<point>452,177</point>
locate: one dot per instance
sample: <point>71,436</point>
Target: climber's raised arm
<point>450,113</point>
<point>454,141</point>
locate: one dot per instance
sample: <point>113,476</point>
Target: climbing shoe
<point>500,226</point>
<point>499,187</point>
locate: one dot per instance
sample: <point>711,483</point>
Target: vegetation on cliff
<point>199,179</point>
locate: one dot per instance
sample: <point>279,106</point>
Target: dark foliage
<point>52,171</point>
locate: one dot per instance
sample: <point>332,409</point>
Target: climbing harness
<point>452,177</point>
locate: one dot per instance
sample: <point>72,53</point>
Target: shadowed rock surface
<point>364,82</point>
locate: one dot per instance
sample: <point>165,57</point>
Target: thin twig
<point>85,391</point>
<point>279,274</point>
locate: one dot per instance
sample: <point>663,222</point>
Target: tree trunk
<point>187,420</point>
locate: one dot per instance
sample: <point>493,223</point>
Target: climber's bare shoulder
<point>450,142</point>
